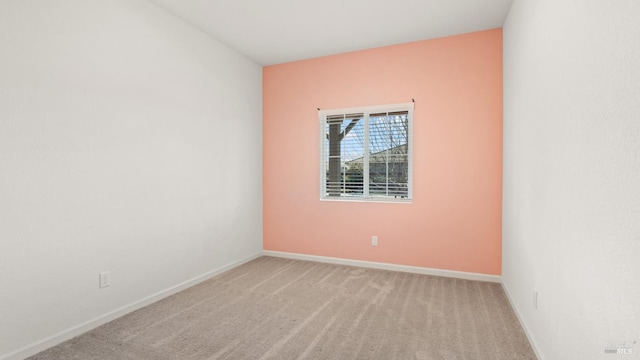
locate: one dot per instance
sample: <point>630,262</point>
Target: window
<point>366,153</point>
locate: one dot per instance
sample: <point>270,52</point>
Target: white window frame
<point>366,110</point>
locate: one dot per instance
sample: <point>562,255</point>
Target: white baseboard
<point>72,332</point>
<point>385,266</point>
<point>534,346</point>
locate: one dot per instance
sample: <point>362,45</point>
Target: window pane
<point>388,158</point>
<point>344,147</point>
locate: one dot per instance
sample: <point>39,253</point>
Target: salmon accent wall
<point>454,221</point>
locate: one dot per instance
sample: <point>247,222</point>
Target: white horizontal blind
<point>366,153</point>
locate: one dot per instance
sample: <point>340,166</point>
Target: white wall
<point>129,142</point>
<point>571,223</point>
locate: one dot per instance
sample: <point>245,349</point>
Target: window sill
<point>368,200</point>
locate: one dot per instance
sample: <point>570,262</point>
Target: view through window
<point>366,153</point>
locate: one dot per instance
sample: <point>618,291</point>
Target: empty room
<point>410,179</point>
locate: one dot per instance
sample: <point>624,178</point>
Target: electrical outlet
<point>535,299</point>
<point>374,240</point>
<point>105,279</point>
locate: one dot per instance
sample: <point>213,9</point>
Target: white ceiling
<point>277,31</point>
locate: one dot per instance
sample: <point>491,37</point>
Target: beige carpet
<point>273,308</point>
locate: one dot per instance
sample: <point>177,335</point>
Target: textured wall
<point>571,223</point>
<point>454,222</point>
<point>129,142</point>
